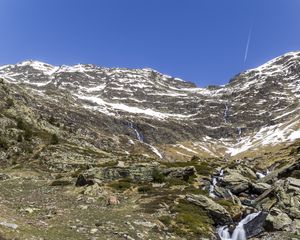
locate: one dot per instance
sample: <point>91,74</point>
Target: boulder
<point>294,182</point>
<point>217,212</point>
<point>82,181</point>
<point>256,225</point>
<point>294,212</point>
<point>259,188</point>
<point>278,220</point>
<point>112,200</point>
<point>268,203</point>
<point>182,172</point>
<point>295,227</point>
<point>235,181</point>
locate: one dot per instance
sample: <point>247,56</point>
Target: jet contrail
<point>248,43</point>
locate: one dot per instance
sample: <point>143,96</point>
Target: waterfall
<point>212,187</point>
<point>239,132</point>
<point>139,136</point>
<point>260,175</point>
<point>214,183</point>
<point>226,115</point>
<point>224,233</point>
<point>239,232</point>
<point>263,174</point>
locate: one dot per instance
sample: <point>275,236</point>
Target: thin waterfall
<point>226,115</point>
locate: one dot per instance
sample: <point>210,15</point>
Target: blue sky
<point>203,41</point>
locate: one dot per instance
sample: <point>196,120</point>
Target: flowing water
<point>139,136</point>
<point>239,231</point>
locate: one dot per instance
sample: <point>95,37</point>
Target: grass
<point>121,185</point>
<point>191,221</point>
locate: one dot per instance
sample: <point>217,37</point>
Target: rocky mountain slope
<point>170,160</point>
<point>257,108</point>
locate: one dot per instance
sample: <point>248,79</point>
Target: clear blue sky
<point>203,41</point>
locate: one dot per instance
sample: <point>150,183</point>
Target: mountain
<point>256,108</point>
<point>144,134</point>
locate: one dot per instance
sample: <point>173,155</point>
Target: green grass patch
<point>191,220</point>
<point>121,185</point>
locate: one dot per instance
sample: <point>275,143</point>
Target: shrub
<point>54,139</point>
<point>157,176</point>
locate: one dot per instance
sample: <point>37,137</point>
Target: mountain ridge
<point>225,120</point>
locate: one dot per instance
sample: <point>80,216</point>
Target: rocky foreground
<point>216,163</point>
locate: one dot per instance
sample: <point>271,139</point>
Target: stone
<point>268,203</point>
<point>278,220</point>
<point>4,176</point>
<point>82,181</point>
<point>294,182</point>
<point>9,225</point>
<point>112,200</point>
<point>93,230</point>
<point>182,172</point>
<point>256,225</point>
<point>235,181</point>
<point>295,227</point>
<point>93,190</point>
<point>294,212</point>
<point>240,188</point>
<point>217,212</point>
<point>259,187</point>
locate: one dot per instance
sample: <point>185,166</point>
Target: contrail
<point>248,43</point>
